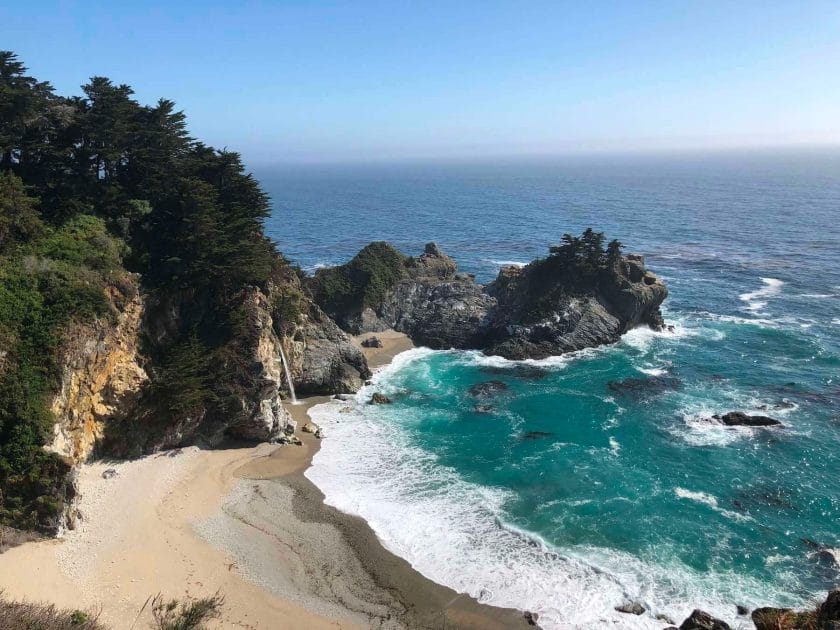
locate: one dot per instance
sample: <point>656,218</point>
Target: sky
<point>370,81</point>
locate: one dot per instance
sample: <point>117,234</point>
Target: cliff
<point>247,380</point>
<point>548,307</point>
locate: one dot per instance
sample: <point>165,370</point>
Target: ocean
<point>597,478</point>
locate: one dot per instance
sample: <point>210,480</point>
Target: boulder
<point>108,473</point>
<point>310,427</point>
<point>379,399</point>
<point>699,620</point>
<point>372,342</point>
<point>631,608</point>
<point>740,419</point>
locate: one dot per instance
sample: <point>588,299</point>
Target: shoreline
<point>243,521</point>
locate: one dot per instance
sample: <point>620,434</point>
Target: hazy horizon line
<point>500,157</point>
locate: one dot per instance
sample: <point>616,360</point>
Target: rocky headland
<point>551,306</point>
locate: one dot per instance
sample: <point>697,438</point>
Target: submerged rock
<point>638,387</point>
<point>487,389</point>
<point>517,370</point>
<point>536,435</point>
<point>699,620</point>
<point>740,419</point>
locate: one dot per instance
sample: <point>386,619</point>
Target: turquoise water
<point>590,479</point>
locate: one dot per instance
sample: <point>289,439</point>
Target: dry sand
<point>243,521</point>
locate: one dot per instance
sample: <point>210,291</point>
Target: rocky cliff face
<point>107,399</point>
<point>531,312</point>
<point>102,377</point>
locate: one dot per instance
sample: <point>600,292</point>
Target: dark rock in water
<point>825,557</point>
<point>372,342</point>
<point>486,389</point>
<point>379,399</point>
<point>549,307</point>
<point>699,620</point>
<point>631,608</point>
<point>740,419</point>
<point>517,370</point>
<point>742,610</point>
<point>536,435</point>
<point>531,618</point>
<point>638,387</point>
<point>665,619</point>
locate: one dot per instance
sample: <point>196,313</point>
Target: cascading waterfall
<point>288,376</point>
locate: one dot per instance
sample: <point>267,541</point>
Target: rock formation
<point>740,419</point>
<point>545,308</point>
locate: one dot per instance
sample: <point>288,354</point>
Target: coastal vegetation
<point>95,191</point>
<point>167,614</point>
<point>361,283</point>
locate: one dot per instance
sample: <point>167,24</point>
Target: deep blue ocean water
<point>629,490</point>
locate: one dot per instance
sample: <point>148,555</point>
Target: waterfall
<point>288,375</point>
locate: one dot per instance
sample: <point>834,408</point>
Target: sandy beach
<point>243,521</point>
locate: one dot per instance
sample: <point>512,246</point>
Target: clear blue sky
<point>312,81</point>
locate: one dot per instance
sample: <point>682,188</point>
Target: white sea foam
<point>319,265</point>
<point>456,533</point>
<point>836,321</point>
<point>474,357</point>
<point>699,428</point>
<point>711,501</point>
<point>756,299</point>
<point>652,371</point>
<point>506,263</point>
<point>615,447</point>
<point>642,337</point>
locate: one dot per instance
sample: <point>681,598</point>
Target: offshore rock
<point>739,419</point>
<point>536,311</point>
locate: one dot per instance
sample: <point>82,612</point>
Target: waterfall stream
<point>288,376</point>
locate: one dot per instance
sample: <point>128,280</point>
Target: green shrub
<point>361,283</point>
